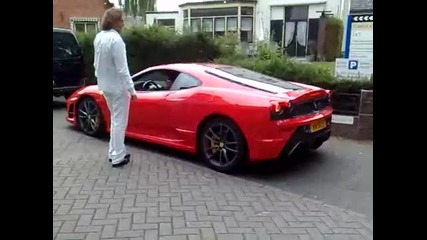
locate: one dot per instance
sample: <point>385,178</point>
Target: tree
<point>137,7</point>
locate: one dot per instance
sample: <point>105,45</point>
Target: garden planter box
<point>359,126</point>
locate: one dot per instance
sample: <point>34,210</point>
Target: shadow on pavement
<point>57,105</point>
<point>279,168</point>
<point>268,170</point>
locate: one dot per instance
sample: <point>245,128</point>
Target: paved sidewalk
<point>158,197</point>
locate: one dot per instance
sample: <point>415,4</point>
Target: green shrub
<point>333,38</point>
<point>86,43</point>
<point>227,45</point>
<point>148,46</point>
<point>271,63</point>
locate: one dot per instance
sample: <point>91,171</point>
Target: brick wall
<point>63,10</point>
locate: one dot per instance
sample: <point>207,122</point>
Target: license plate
<point>318,125</point>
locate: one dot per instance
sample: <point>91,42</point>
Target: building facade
<point>79,15</point>
<point>168,19</point>
<point>292,24</point>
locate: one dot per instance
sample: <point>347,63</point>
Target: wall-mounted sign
<point>360,37</point>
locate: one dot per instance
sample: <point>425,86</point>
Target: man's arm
<point>120,60</point>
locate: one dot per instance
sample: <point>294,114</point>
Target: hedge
<point>148,46</point>
<point>333,38</point>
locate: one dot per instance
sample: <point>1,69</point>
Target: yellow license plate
<point>318,125</point>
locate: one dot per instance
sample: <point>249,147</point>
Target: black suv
<point>68,65</point>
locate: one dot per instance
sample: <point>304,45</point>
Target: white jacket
<point>110,62</point>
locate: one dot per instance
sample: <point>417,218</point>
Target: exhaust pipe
<point>294,148</point>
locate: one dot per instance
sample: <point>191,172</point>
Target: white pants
<point>118,104</point>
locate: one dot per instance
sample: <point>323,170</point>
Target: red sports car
<point>226,114</point>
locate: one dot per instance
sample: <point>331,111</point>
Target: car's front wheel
<point>222,145</point>
<point>89,116</point>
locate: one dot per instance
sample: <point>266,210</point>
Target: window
<point>65,45</point>
<point>295,13</point>
<point>80,27</point>
<point>186,13</point>
<point>219,21</point>
<point>196,25</point>
<point>232,24</point>
<point>184,81</point>
<point>166,22</point>
<point>247,11</point>
<point>169,23</point>
<point>276,31</point>
<point>246,32</point>
<point>85,27</point>
<point>207,26</point>
<point>162,78</point>
<point>252,79</point>
<point>214,12</point>
<point>219,26</point>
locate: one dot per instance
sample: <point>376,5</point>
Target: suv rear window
<point>65,45</point>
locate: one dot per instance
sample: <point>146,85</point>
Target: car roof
<point>62,30</point>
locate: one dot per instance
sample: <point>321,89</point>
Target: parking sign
<point>353,64</point>
<point>353,68</point>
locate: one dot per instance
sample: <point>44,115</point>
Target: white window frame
<point>85,21</point>
<point>239,17</point>
<point>172,27</point>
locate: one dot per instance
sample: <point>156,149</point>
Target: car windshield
<point>248,77</point>
<point>65,45</point>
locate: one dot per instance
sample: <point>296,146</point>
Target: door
<point>148,114</point>
<point>68,65</point>
<point>180,107</point>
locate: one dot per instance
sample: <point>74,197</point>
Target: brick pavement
<point>158,197</point>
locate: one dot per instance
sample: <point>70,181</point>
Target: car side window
<point>65,45</point>
<point>184,81</point>
<point>156,76</point>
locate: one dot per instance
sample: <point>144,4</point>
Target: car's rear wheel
<point>90,119</point>
<point>222,145</point>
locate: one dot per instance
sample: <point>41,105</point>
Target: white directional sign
<point>360,37</point>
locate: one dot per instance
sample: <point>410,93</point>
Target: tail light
<point>279,110</point>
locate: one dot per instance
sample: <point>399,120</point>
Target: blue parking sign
<point>353,64</point>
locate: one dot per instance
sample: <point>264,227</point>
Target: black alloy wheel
<point>222,145</point>
<point>89,116</point>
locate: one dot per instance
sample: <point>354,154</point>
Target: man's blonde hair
<point>111,16</point>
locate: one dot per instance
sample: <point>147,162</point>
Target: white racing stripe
<point>248,82</point>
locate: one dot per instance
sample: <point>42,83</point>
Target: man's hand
<point>133,97</point>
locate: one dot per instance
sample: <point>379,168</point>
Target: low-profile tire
<point>89,117</point>
<point>222,145</point>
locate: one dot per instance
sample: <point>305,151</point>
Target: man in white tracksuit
<point>114,80</point>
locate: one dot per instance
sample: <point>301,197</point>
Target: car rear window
<point>65,45</point>
<point>243,74</point>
